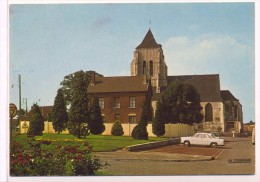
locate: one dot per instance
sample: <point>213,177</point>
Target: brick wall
<point>124,111</point>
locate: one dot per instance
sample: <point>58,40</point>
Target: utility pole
<point>20,99</point>
<point>26,110</point>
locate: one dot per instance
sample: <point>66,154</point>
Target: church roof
<point>118,84</point>
<point>149,41</point>
<point>208,86</point>
<point>228,96</point>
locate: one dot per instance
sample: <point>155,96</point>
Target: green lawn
<point>99,142</point>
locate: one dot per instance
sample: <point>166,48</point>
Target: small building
<point>45,111</point>
<point>120,98</point>
<point>248,127</point>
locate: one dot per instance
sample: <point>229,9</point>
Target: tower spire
<point>149,24</point>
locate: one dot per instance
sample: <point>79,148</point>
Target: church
<point>121,98</point>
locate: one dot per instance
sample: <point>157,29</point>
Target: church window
<point>101,102</point>
<point>208,112</point>
<point>151,68</point>
<point>144,68</point>
<point>132,102</point>
<point>234,112</point>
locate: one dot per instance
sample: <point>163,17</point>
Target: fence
<point>171,130</point>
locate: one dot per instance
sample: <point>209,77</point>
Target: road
<point>237,157</point>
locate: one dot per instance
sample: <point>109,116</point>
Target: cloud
<point>215,54</point>
<point>210,52</point>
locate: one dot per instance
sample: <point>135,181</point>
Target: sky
<point>48,42</point>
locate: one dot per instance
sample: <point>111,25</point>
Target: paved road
<point>147,163</point>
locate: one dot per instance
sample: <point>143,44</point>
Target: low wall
<point>151,145</point>
<point>171,130</point>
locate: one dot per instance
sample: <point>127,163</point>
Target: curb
<point>218,152</point>
<point>164,160</point>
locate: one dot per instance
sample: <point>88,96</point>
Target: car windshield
<point>212,135</point>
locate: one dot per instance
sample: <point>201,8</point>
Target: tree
<point>158,127</point>
<point>140,131</point>
<point>96,123</point>
<point>117,129</point>
<point>21,112</point>
<point>36,122</point>
<point>67,83</point>
<point>179,103</point>
<point>79,110</point>
<point>59,113</point>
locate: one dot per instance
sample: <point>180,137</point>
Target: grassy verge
<point>99,142</point>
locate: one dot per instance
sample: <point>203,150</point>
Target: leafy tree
<point>117,129</point>
<point>158,127</point>
<point>67,83</point>
<point>96,123</point>
<point>140,131</point>
<point>79,110</point>
<point>36,122</point>
<point>59,113</point>
<point>179,103</point>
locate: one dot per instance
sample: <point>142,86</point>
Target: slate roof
<point>118,84</point>
<point>149,41</point>
<point>227,96</point>
<point>208,86</point>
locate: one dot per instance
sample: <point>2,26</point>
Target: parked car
<point>207,139</point>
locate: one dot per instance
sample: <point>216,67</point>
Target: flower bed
<point>64,161</point>
<point>60,140</point>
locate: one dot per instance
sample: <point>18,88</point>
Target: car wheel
<point>213,145</point>
<point>187,143</point>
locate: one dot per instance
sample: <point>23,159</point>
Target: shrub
<point>35,127</point>
<point>65,161</point>
<point>117,129</point>
<point>140,132</point>
<point>96,123</point>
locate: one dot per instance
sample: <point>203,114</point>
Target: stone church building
<point>121,98</point>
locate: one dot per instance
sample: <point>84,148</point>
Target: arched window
<point>151,68</point>
<point>208,112</point>
<point>144,68</point>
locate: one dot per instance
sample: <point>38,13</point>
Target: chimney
<point>93,78</point>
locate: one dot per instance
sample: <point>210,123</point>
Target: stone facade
<point>149,62</point>
<point>217,117</point>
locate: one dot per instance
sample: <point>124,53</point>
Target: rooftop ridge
<point>195,75</point>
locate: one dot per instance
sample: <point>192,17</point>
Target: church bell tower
<point>149,62</point>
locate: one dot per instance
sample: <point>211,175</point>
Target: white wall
<point>171,130</point>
